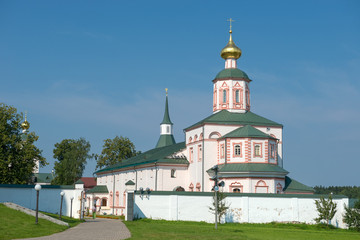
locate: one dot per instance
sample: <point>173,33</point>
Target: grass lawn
<point>159,229</point>
<point>16,224</point>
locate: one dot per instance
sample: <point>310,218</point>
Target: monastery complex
<point>246,147</point>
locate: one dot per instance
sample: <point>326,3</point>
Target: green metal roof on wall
<point>99,189</point>
<point>247,131</point>
<point>166,119</point>
<point>43,177</point>
<point>165,140</point>
<point>232,73</point>
<point>250,167</point>
<point>292,185</point>
<point>156,155</point>
<point>225,117</point>
<point>79,182</point>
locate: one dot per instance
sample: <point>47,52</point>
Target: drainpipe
<point>113,194</point>
<point>135,179</point>
<point>156,177</point>
<point>225,151</point>
<point>202,162</point>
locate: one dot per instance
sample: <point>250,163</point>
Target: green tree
<point>221,203</point>
<point>71,156</point>
<point>18,154</point>
<point>326,209</point>
<point>115,150</point>
<point>352,216</point>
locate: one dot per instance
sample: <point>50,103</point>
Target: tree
<point>221,203</point>
<point>115,150</point>
<point>352,216</point>
<point>71,156</point>
<point>326,209</point>
<point>18,154</point>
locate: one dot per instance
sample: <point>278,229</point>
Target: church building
<point>246,147</point>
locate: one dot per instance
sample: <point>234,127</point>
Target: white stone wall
<point>49,198</point>
<point>242,208</point>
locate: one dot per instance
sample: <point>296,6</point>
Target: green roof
<point>232,73</point>
<point>250,167</point>
<point>292,185</point>
<point>129,183</point>
<point>225,117</point>
<point>156,155</point>
<point>99,189</point>
<point>79,182</point>
<point>247,131</point>
<point>166,119</point>
<point>165,140</point>
<point>43,177</point>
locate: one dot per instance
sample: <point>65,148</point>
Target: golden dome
<point>230,50</point>
<point>25,125</point>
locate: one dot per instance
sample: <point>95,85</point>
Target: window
<point>224,96</point>
<point>199,153</point>
<point>167,129</point>
<point>257,151</point>
<point>272,151</point>
<point>103,202</point>
<point>237,96</point>
<point>222,152</point>
<point>191,154</point>
<point>237,150</point>
<point>173,171</point>
<point>236,190</point>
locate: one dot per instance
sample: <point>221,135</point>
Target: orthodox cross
<point>230,20</point>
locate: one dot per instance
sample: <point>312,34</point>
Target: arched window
<point>237,96</point>
<point>237,150</point>
<point>224,96</point>
<point>198,186</point>
<point>191,187</point>
<point>278,188</point>
<point>236,190</point>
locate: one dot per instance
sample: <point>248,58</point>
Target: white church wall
<point>252,208</point>
<point>49,198</point>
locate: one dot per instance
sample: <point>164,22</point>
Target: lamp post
<point>62,196</point>
<point>71,199</point>
<point>216,189</point>
<point>37,188</point>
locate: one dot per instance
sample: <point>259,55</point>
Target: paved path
<point>99,228</point>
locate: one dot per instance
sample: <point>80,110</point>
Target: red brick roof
<point>89,182</point>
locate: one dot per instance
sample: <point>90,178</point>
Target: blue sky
<point>97,69</point>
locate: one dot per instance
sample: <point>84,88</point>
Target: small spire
<point>166,119</point>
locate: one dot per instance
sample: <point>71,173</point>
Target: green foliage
<point>71,156</point>
<point>349,191</point>
<point>352,216</point>
<point>18,154</point>
<point>114,151</point>
<point>326,209</point>
<point>221,203</point>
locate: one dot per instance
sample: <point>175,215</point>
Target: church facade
<point>246,147</point>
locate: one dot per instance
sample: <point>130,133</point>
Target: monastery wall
<point>49,197</point>
<point>243,208</point>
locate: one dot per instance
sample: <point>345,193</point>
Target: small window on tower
<point>237,96</point>
<point>224,96</point>
<point>237,150</point>
<point>167,129</point>
<point>257,150</point>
